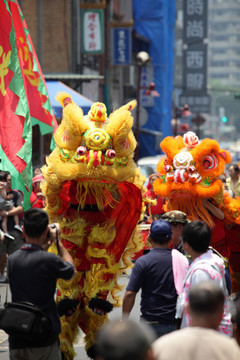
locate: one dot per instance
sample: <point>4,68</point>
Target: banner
<point>24,100</point>
<point>155,21</point>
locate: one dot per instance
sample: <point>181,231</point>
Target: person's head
<point>151,180</point>
<point>125,340</point>
<point>37,171</point>
<point>177,220</point>
<point>35,223</point>
<point>9,183</point>
<point>233,171</point>
<point>160,232</point>
<point>36,181</point>
<point>236,319</point>
<point>3,175</point>
<point>3,178</point>
<point>196,236</point>
<point>206,304</point>
<point>222,177</point>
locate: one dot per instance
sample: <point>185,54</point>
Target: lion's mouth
<point>87,207</point>
<point>182,175</point>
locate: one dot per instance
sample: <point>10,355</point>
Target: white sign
<point>92,31</point>
<point>146,79</point>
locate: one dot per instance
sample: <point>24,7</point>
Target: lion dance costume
<point>94,190</point>
<point>190,181</point>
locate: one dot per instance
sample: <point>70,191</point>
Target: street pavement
<point>79,347</point>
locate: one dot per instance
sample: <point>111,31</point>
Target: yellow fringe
<point>104,194</point>
<point>67,349</point>
<point>103,233</point>
<point>77,232</point>
<point>70,288</point>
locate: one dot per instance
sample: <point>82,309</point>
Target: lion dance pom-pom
<point>94,190</point>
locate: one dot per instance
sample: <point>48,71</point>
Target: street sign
<point>198,103</point>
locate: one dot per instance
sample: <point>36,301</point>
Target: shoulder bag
<point>25,321</point>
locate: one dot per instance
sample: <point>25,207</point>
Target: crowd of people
<point>11,214</point>
<point>127,339</point>
<point>185,306</point>
<point>195,299</point>
<point>185,291</point>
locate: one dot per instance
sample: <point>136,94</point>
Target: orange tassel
<point>194,208</point>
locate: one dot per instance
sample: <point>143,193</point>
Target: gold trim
<point>101,5</point>
<point>115,24</point>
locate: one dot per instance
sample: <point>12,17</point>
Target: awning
<point>57,86</point>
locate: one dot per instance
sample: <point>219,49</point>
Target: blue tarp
<point>155,20</point>
<point>57,86</point>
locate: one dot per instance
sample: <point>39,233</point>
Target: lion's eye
<point>210,162</point>
<point>81,150</point>
<point>206,164</point>
<point>111,154</point>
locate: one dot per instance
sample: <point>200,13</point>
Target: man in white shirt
<point>200,340</point>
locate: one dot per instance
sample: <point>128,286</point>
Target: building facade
<point>223,66</point>
<point>224,42</point>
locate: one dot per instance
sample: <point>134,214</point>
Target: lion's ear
<point>171,146</point>
<point>129,106</point>
<point>73,125</point>
<point>64,99</point>
<point>120,129</point>
<point>226,155</point>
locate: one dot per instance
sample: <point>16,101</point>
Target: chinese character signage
<point>92,31</point>
<point>195,21</point>
<point>198,103</point>
<point>195,68</point>
<point>146,79</point>
<point>195,55</point>
<point>122,46</point>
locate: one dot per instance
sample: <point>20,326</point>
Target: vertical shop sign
<point>122,46</point>
<point>92,31</point>
<point>195,52</point>
<point>147,77</point>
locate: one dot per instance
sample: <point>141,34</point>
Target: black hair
<point>206,298</point>
<point>160,240</point>
<point>235,168</point>
<point>35,222</point>
<point>3,175</point>
<point>198,235</point>
<point>124,340</point>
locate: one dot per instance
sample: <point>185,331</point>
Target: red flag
<point>24,99</point>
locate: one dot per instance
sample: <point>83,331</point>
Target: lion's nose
<point>94,158</point>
